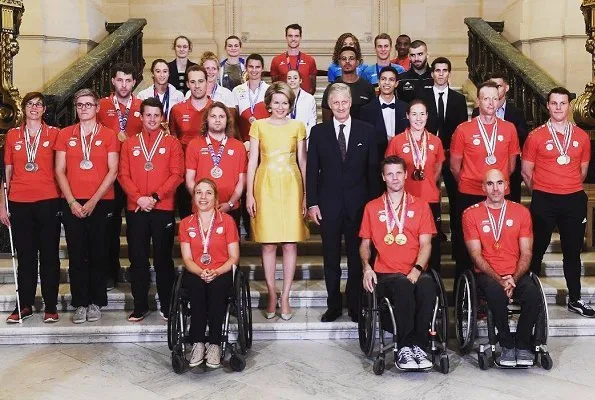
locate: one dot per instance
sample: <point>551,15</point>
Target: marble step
<point>311,267</point>
<point>304,294</point>
<point>113,327</point>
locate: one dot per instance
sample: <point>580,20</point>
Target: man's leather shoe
<point>353,315</point>
<point>330,315</point>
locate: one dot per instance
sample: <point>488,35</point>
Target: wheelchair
<point>377,316</point>
<point>470,303</point>
<point>239,307</point>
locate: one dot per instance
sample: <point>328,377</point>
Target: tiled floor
<point>323,369</point>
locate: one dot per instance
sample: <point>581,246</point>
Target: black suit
<point>372,114</point>
<point>455,114</point>
<point>516,116</point>
<point>174,76</point>
<point>341,189</point>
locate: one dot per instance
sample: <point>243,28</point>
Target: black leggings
<point>208,303</point>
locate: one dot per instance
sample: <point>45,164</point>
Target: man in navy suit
<point>340,179</point>
<point>386,113</point>
<point>508,112</point>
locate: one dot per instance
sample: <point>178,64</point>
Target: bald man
<point>499,237</point>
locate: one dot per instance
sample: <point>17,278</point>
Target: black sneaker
<point>581,308</point>
<point>110,284</point>
<point>137,315</point>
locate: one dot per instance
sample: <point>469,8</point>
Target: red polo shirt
<point>185,121</point>
<point>108,116</point>
<point>281,64</point>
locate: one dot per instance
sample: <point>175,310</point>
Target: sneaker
<point>80,315</point>
<point>137,315</point>
<point>110,284</point>
<point>524,357</point>
<point>405,359</point>
<point>51,316</point>
<point>507,357</point>
<point>198,354</point>
<point>214,356</point>
<point>421,358</point>
<point>581,308</point>
<point>165,316</point>
<point>26,312</point>
<point>93,313</point>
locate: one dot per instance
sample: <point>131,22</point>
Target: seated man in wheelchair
<point>401,227</point>
<point>210,247</point>
<point>499,236</point>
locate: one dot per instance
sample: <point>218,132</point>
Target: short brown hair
<point>233,37</point>
<point>209,182</point>
<point>195,68</point>
<point>182,37</point>
<point>282,88</point>
<point>489,84</point>
<point>30,96</point>
<point>393,160</point>
<point>229,131</point>
<point>383,36</point>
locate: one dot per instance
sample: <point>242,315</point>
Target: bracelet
<point>70,203</point>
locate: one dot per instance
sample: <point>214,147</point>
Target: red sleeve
<point>457,143</point>
<point>470,231</point>
<point>274,67</point>
<point>112,142</point>
<point>183,231</point>
<point>440,157</point>
<point>8,147</point>
<point>128,185</point>
<point>313,69</point>
<point>173,122</point>
<point>586,154</point>
<point>176,169</point>
<point>513,146</point>
<point>526,223</point>
<point>231,230</point>
<point>192,152</point>
<point>60,143</point>
<point>391,150</point>
<point>365,231</point>
<point>530,148</point>
<point>242,160</point>
<point>426,223</point>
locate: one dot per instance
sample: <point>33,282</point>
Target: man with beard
<point>419,77</point>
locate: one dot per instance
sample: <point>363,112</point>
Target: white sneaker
<point>214,356</point>
<point>93,313</point>
<point>421,357</point>
<point>406,360</point>
<point>198,354</point>
<point>80,315</point>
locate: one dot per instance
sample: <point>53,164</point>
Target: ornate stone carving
<point>11,12</point>
<point>584,106</point>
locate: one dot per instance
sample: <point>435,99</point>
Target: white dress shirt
<point>444,97</point>
<point>501,111</point>
<point>388,115</point>
<point>346,130</point>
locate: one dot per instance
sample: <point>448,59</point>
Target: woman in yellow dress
<point>275,196</point>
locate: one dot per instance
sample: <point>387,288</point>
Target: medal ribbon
<point>490,144</point>
<point>419,156</point>
<point>294,111</point>
<point>497,229</point>
<point>213,91</point>
<point>165,101</point>
<point>255,99</point>
<point>568,129</point>
<point>297,65</point>
<point>31,148</point>
<point>143,147</point>
<point>123,119</point>
<point>394,217</point>
<point>86,146</point>
<point>206,237</point>
<point>216,157</point>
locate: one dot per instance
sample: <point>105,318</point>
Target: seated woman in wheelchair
<point>401,227</point>
<point>499,236</point>
<point>210,247</point>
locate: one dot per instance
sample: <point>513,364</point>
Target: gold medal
<point>497,245</point>
<point>401,239</point>
<point>389,239</point>
<point>122,136</point>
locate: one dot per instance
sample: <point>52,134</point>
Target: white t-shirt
<point>175,96</point>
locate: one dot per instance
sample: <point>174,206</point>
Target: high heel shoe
<point>286,317</point>
<point>271,315</point>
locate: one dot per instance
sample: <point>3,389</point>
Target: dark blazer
<point>456,113</point>
<point>173,75</point>
<point>514,115</point>
<point>332,183</point>
<point>372,114</point>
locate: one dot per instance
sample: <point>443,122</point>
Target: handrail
<point>124,44</point>
<point>529,84</point>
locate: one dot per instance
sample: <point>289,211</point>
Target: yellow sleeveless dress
<point>278,189</point>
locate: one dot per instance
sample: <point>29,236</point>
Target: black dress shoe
<point>330,315</point>
<point>353,315</point>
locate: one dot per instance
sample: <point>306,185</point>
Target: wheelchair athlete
<point>401,227</point>
<point>210,247</point>
<point>499,236</point>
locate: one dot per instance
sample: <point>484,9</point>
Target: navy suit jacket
<point>372,114</point>
<point>455,114</point>
<point>335,185</point>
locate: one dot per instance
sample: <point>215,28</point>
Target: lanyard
<point>254,100</point>
<point>214,91</point>
<point>206,237</point>
<point>123,119</point>
<point>294,111</point>
<point>216,157</point>
<point>297,65</point>
<point>143,147</point>
<point>165,101</point>
<point>31,147</point>
<point>489,143</point>
<point>568,130</point>
<point>392,217</point>
<point>419,156</point>
<point>497,229</point>
<point>86,146</point>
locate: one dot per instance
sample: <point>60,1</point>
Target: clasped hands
<point>83,211</point>
<point>208,275</point>
<point>507,282</point>
<point>145,203</point>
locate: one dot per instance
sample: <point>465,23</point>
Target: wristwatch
<point>418,267</point>
<point>230,204</point>
<point>155,196</point>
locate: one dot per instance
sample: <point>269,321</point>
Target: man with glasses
<point>362,92</point>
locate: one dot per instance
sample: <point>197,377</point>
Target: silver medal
<point>86,164</point>
<point>563,159</point>
<point>252,119</point>
<point>491,160</point>
<point>148,166</point>
<point>205,258</point>
<point>31,167</point>
<point>216,172</point>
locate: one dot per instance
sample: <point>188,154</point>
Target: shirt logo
<point>162,150</point>
<point>410,213</point>
<point>486,228</point>
<point>549,147</point>
<point>17,147</point>
<point>98,142</point>
<point>230,152</point>
<point>500,138</point>
<point>219,230</point>
<point>72,143</point>
<point>509,222</point>
<point>574,143</point>
<point>431,147</point>
<point>192,234</point>
<point>46,143</point>
<point>136,153</point>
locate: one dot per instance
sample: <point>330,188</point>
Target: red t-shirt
<point>163,179</point>
<point>427,189</point>
<point>26,186</point>
<point>84,183</point>
<point>306,68</point>
<point>395,258</point>
<point>517,224</point>
<point>467,143</point>
<point>223,233</point>
<point>403,62</point>
<point>185,121</point>
<point>548,175</point>
<point>108,116</point>
<point>233,163</point>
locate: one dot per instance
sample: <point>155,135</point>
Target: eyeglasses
<point>31,104</point>
<point>80,106</point>
<point>347,58</point>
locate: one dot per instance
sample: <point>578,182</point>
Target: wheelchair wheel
<point>237,362</point>
<point>542,324</point>
<point>173,322</point>
<point>444,363</point>
<point>442,321</point>
<point>241,306</point>
<point>465,311</point>
<point>178,362</point>
<point>482,360</point>
<point>248,320</point>
<point>367,320</point>
<point>379,365</point>
<point>546,361</point>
